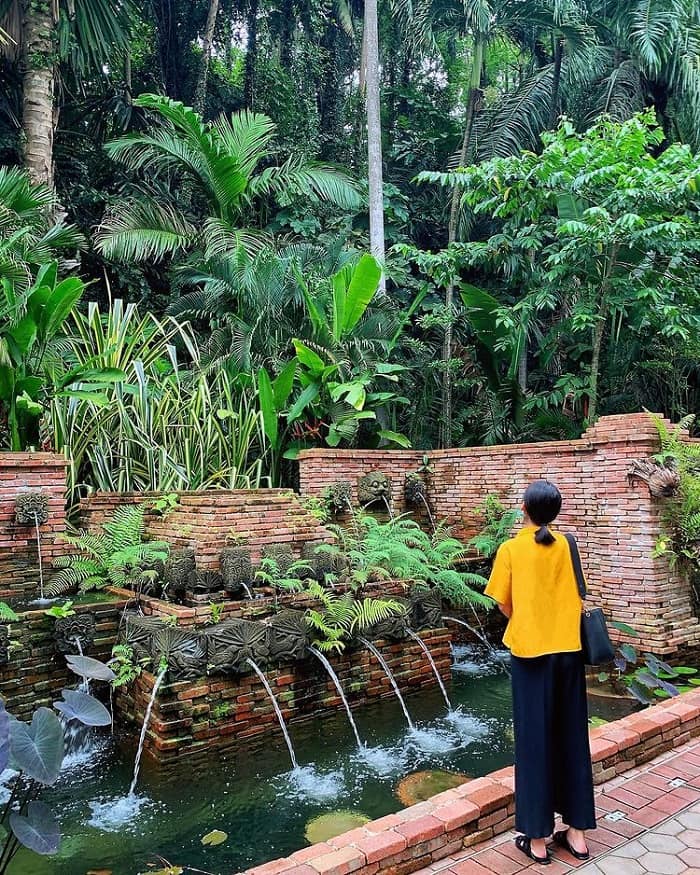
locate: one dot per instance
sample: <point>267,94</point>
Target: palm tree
<point>647,54</point>
<point>88,34</point>
<point>219,204</point>
<point>28,235</point>
<point>374,131</point>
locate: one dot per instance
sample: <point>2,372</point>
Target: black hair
<point>542,502</point>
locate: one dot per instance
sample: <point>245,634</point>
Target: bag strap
<point>578,571</point>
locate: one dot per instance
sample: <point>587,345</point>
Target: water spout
<point>248,593</point>
<point>431,518</point>
<point>41,561</point>
<point>484,640</point>
<point>336,681</point>
<point>388,502</point>
<point>426,650</point>
<point>144,728</point>
<point>278,711</point>
<point>387,671</point>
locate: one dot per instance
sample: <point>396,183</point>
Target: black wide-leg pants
<point>553,770</point>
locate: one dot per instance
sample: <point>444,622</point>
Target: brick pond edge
<point>425,833</point>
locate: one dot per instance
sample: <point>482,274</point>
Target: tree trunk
<point>598,334</point>
<point>200,91</point>
<point>464,157</point>
<point>556,82</point>
<point>287,35</point>
<point>38,112</point>
<point>374,134</point>
<point>251,55</point>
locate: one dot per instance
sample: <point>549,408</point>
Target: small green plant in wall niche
<point>165,503</point>
<point>60,611</point>
<point>220,711</point>
<point>124,665</point>
<point>216,611</point>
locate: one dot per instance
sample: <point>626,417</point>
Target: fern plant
<point>270,574</point>
<point>681,515</point>
<point>400,550</point>
<point>342,616</point>
<point>117,556</point>
<point>498,525</point>
<point>7,615</point>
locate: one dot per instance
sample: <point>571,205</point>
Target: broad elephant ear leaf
<point>4,738</point>
<point>39,830</point>
<point>37,749</point>
<point>86,667</point>
<point>84,708</point>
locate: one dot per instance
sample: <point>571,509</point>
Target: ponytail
<point>544,536</point>
<point>542,502</point>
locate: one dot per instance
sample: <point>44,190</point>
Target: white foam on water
<point>468,725</point>
<point>381,760</point>
<point>306,782</point>
<point>116,814</point>
<point>433,740</point>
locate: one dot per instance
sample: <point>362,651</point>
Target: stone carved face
<point>138,634</point>
<point>287,636</point>
<point>320,561</point>
<point>31,508</point>
<point>339,496</point>
<point>236,569</point>
<point>184,650</point>
<point>282,554</point>
<point>374,487</point>
<point>414,490</point>
<point>178,569</point>
<point>4,645</point>
<point>394,628</point>
<point>231,643</point>
<point>426,609</point>
<point>202,582</point>
<point>69,630</point>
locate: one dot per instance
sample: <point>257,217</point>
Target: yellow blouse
<point>538,583</point>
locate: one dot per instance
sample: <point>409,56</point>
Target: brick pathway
<point>648,821</point>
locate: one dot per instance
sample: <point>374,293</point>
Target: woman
<point>534,583</point>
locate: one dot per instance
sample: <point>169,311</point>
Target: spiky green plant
<point>342,616</point>
<point>117,556</point>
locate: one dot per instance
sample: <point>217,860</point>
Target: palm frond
<point>144,231</point>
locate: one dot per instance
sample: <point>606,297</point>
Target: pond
<point>255,798</point>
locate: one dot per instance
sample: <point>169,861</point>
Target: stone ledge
<point>482,808</point>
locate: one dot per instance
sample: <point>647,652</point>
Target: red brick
<point>421,829</point>
<point>339,862</point>
<point>379,847</point>
<point>457,813</point>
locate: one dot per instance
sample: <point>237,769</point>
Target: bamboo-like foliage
<point>165,427</point>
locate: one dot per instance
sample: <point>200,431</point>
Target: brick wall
<point>216,713</point>
<point>209,520</point>
<point>20,472</point>
<point>37,672</point>
<point>616,521</point>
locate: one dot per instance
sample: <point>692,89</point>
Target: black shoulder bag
<point>595,640</point>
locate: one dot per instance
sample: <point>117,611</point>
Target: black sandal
<point>561,838</point>
<point>524,844</point>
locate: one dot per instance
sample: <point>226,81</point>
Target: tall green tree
<point>87,34</point>
<point>599,220</point>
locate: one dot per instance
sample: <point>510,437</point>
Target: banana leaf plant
<point>338,371</point>
<point>32,369</point>
<point>34,752</point>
